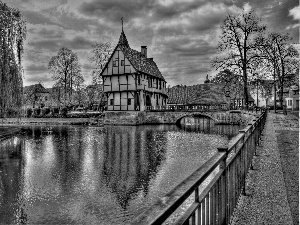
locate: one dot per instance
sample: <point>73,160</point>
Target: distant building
<point>131,80</point>
<point>206,94</point>
<point>200,94</point>
<point>36,96</point>
<point>291,96</point>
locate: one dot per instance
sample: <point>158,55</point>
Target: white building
<point>131,80</point>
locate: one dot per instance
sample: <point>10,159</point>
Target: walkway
<point>273,186</point>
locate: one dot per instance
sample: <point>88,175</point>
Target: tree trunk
<point>274,96</point>
<point>245,86</point>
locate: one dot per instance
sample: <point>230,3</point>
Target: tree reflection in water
<point>90,175</point>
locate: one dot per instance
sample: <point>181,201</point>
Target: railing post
<point>251,136</point>
<point>259,129</point>
<point>244,170</point>
<point>224,201</point>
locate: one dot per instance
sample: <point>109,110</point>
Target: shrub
<point>12,112</point>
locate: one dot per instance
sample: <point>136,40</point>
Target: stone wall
<point>137,118</point>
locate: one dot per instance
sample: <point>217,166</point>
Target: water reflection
<point>132,160</point>
<point>207,125</point>
<point>89,175</point>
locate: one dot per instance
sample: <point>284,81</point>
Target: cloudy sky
<point>181,35</point>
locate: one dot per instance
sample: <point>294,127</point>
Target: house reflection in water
<point>131,159</point>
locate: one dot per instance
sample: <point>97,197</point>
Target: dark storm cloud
<point>53,44</point>
<point>113,10</point>
<point>36,67</point>
<point>39,77</point>
<point>181,35</point>
<point>47,33</point>
<point>176,8</point>
<point>194,49</point>
<point>77,43</point>
<point>87,66</point>
<point>51,33</point>
<point>35,17</point>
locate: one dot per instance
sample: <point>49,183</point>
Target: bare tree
<point>101,54</point>
<point>79,91</point>
<point>237,42</point>
<point>65,69</point>
<point>12,36</point>
<point>281,55</point>
<point>232,83</point>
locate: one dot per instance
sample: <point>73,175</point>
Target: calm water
<point>92,175</point>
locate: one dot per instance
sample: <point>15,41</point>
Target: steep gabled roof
<point>206,94</point>
<point>123,40</point>
<point>37,88</point>
<point>138,61</point>
<point>141,63</point>
<point>202,94</point>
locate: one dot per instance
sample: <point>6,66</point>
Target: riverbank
<point>272,191</point>
<point>7,132</point>
<point>136,118</point>
<point>49,121</point>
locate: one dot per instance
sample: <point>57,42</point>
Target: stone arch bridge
<point>219,117</point>
<point>174,117</point>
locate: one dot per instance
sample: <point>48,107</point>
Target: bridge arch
<point>194,115</point>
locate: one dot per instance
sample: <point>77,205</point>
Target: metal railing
<point>215,202</point>
<point>196,108</point>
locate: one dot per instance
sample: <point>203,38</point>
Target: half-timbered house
<point>131,80</point>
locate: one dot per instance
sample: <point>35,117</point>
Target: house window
<point>116,63</point>
<point>149,82</point>
<point>111,101</point>
<point>45,98</point>
<point>138,79</point>
<point>122,63</point>
<point>129,101</point>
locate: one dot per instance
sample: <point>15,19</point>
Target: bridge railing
<point>187,108</point>
<point>224,175</point>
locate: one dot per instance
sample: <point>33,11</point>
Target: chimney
<point>144,51</point>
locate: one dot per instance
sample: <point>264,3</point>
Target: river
<point>99,175</point>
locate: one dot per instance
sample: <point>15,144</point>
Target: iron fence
<point>214,204</point>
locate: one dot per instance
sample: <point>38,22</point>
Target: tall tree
<point>237,42</point>
<point>66,71</point>
<point>12,36</point>
<point>232,83</point>
<point>281,55</point>
<point>79,91</point>
<point>101,54</point>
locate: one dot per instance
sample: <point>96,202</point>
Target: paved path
<point>273,186</point>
